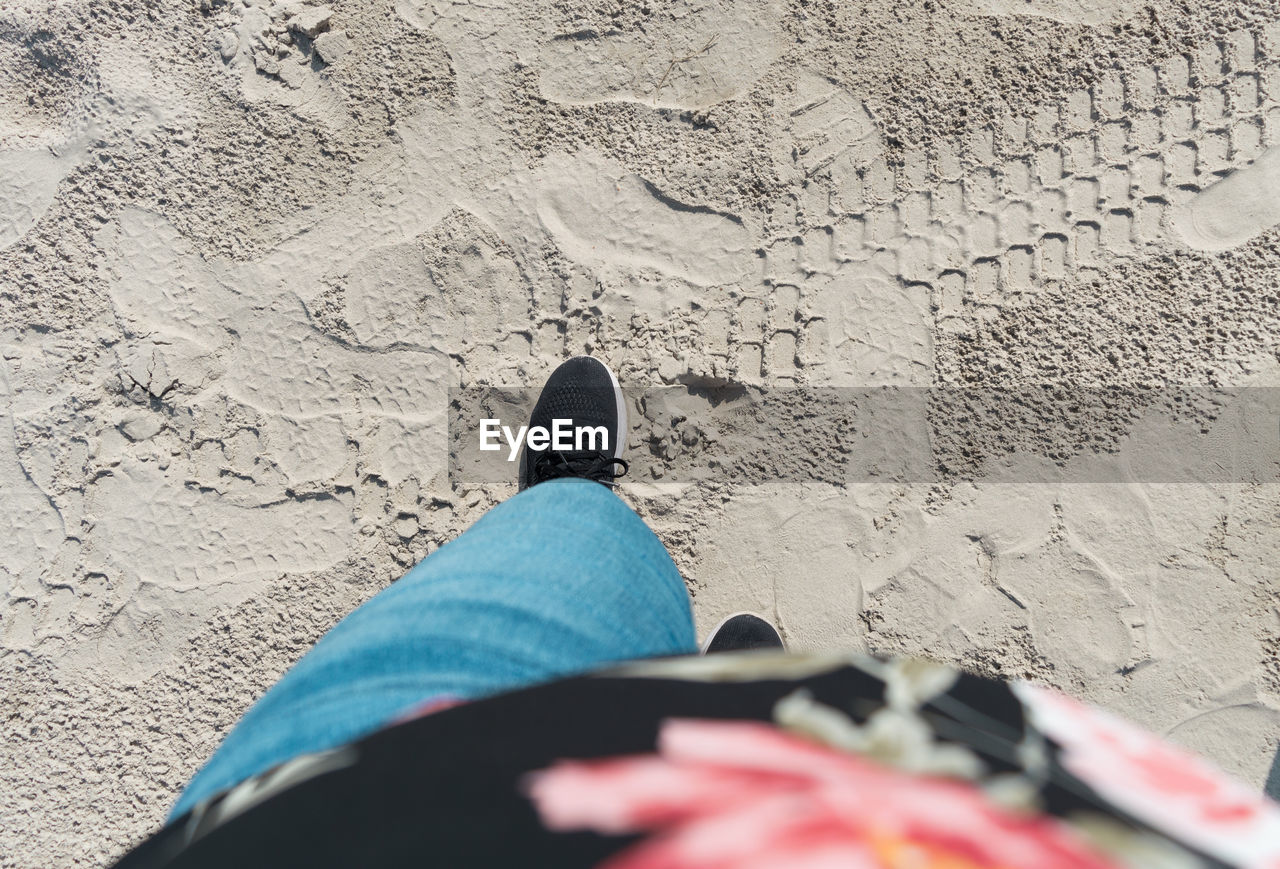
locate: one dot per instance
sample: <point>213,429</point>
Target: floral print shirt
<point>741,761</point>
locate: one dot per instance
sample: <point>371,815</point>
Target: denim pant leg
<point>561,578</point>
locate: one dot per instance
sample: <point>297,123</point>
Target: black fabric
<point>446,790</point>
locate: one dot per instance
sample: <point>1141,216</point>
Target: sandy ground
<point>245,249</point>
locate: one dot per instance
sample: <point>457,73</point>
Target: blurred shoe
<point>741,632</point>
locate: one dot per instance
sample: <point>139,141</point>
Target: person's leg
<point>562,578</point>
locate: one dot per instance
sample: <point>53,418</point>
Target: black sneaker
<point>584,392</point>
<point>741,632</point>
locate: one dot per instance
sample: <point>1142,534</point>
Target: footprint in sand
<point>28,182</point>
<point>1076,610</point>
<point>782,533</point>
<point>163,567</point>
<point>601,215</point>
<point>224,336</point>
<point>32,530</point>
<point>685,57</point>
<point>1241,206</point>
<point>279,403</point>
<point>874,331</point>
<point>456,284</point>
<point>1088,12</point>
<point>40,148</point>
<point>1251,728</point>
<point>31,125</point>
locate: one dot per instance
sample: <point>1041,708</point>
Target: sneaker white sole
<point>620,403</point>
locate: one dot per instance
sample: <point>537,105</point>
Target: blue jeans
<point>560,579</point>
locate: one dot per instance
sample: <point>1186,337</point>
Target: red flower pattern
<point>749,796</point>
<point>1170,789</point>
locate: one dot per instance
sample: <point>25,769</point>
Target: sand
<point>246,248</point>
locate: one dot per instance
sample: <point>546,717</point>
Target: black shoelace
<point>601,467</point>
